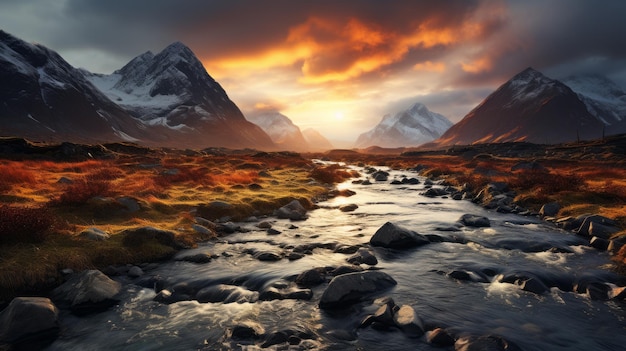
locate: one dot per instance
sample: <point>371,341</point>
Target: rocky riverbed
<point>402,264</point>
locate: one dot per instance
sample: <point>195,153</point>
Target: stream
<point>557,319</point>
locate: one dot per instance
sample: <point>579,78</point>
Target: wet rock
<point>434,192</point>
<point>270,256</point>
<point>484,343</point>
<point>618,293</point>
<point>602,231</point>
<point>293,210</point>
<point>347,289</point>
<point>346,249</point>
<point>273,231</point>
<point>533,285</point>
<point>440,337</point>
<point>200,229</point>
<point>584,228</point>
<point>255,186</point>
<point>345,270</point>
<point>380,176</point>
<point>410,181</point>
<point>395,182</point>
<point>264,225</point>
<point>460,275</point>
<point>598,291</point>
<point>247,330</point>
<point>311,277</point>
<point>393,236</point>
<point>616,244</point>
<point>599,243</point>
<point>385,313</point>
<point>470,220</point>
<point>550,209</point>
<point>88,292</point>
<point>226,294</point>
<point>28,323</point>
<point>348,207</point>
<point>285,293</point>
<point>409,322</point>
<point>94,234</point>
<point>363,256</point>
<point>293,256</point>
<point>135,272</point>
<point>196,258</point>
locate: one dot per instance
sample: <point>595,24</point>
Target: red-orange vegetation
<point>15,173</point>
<point>332,174</point>
<point>25,224</point>
<point>81,190</point>
<point>236,177</point>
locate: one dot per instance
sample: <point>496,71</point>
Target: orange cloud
<point>330,50</point>
<point>477,66</point>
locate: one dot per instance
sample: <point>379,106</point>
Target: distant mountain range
<point>412,127</point>
<point>166,99</point>
<point>534,108</point>
<point>286,135</point>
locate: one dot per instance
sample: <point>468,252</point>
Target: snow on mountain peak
<point>411,127</point>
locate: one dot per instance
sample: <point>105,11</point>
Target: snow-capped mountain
<point>412,127</point>
<point>316,141</point>
<point>280,128</point>
<point>166,99</point>
<point>530,107</point>
<point>44,98</point>
<point>604,99</point>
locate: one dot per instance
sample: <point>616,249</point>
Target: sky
<point>340,66</point>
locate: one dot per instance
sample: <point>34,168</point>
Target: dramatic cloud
<point>314,60</point>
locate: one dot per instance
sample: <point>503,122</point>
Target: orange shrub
<point>81,190</point>
<point>197,175</point>
<point>331,174</point>
<point>236,177</point>
<point>24,224</point>
<point>15,173</point>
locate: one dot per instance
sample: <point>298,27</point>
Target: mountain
<point>166,99</point>
<point>530,107</point>
<point>44,98</point>
<point>603,98</point>
<point>414,126</point>
<point>316,141</point>
<point>280,128</point>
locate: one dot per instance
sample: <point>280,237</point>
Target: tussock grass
<point>169,188</point>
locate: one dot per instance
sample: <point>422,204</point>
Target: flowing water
<point>554,320</point>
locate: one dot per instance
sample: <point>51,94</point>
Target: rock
<point>348,208</point>
<point>312,277</point>
<point>434,192</point>
<point>533,285</point>
<point>285,293</point>
<point>584,228</point>
<point>440,337</point>
<point>396,237</point>
<point>255,186</point>
<point>138,236</point>
<point>345,270</point>
<point>293,210</point>
<point>409,322</point>
<point>346,249</point>
<point>484,343</point>
<point>616,244</point>
<point>94,234</point>
<point>267,256</point>
<point>602,231</point>
<point>200,229</point>
<point>264,225</point>
<point>363,256</point>
<point>550,209</point>
<point>347,289</point>
<point>131,204</point>
<point>215,210</point>
<point>273,231</point>
<point>380,176</point>
<point>599,291</point>
<point>88,292</point>
<point>65,180</point>
<point>226,294</point>
<point>196,258</point>
<point>599,243</point>
<point>247,330</point>
<point>470,220</point>
<point>135,272</point>
<point>396,182</point>
<point>410,181</point>
<point>29,323</point>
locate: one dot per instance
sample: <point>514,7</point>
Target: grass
<point>42,216</point>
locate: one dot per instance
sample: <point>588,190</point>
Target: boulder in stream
<point>293,210</point>
<point>28,323</point>
<point>88,292</point>
<point>393,236</point>
<point>351,288</point>
<point>470,220</point>
<point>484,343</point>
